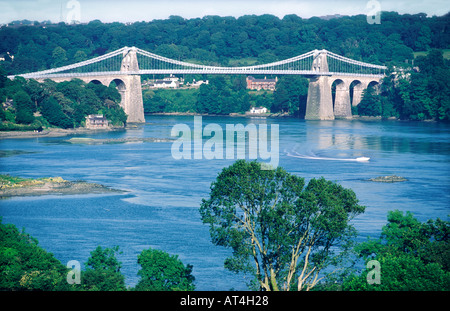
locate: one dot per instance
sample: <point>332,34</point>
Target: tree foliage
<point>291,95</point>
<point>413,94</point>
<point>163,272</point>
<point>24,108</point>
<point>24,265</point>
<point>370,104</point>
<point>412,255</point>
<point>218,40</point>
<point>281,232</point>
<point>222,96</point>
<point>103,271</point>
<point>64,104</point>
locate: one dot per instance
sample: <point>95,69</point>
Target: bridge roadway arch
<point>320,101</point>
<point>319,105</point>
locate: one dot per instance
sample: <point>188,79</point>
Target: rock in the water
<point>391,178</point>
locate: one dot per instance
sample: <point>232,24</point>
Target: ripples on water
<point>161,208</point>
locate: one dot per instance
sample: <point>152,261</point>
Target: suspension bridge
<point>323,69</point>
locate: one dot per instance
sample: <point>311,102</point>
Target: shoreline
<point>281,115</point>
<point>23,187</point>
<point>54,132</point>
<point>59,132</point>
<point>286,115</point>
<point>235,114</point>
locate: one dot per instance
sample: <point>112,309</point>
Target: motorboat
<point>362,159</point>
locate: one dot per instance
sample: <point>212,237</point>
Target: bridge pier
<point>132,102</point>
<point>319,105</point>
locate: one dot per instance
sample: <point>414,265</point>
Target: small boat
<point>362,159</point>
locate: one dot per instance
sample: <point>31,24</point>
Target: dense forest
<point>226,40</point>
<point>415,88</point>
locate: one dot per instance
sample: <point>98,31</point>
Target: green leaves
<point>103,272</point>
<point>370,104</point>
<point>64,104</point>
<point>222,96</point>
<point>412,255</point>
<point>163,272</point>
<point>291,95</point>
<point>421,93</point>
<point>26,266</point>
<point>24,108</point>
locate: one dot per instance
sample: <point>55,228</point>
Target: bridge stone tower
<point>319,105</point>
<point>131,90</point>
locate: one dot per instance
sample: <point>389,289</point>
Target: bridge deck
<point>194,71</point>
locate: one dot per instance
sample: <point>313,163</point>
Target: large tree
<point>103,271</point>
<point>283,233</point>
<point>24,108</point>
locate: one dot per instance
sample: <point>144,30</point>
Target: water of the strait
<point>160,209</point>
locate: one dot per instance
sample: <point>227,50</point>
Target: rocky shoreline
<point>45,186</point>
<point>93,141</point>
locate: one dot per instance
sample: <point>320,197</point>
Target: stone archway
<point>375,85</point>
<point>122,88</point>
<point>95,81</point>
<point>357,89</point>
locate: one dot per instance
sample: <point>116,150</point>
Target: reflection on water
<point>161,208</point>
<point>384,136</point>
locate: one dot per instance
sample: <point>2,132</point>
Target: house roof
<point>261,80</point>
<point>95,116</point>
<point>163,82</point>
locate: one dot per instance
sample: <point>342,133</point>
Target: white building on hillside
<point>257,110</point>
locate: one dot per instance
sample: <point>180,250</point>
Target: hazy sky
<point>140,10</point>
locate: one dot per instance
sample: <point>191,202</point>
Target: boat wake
<point>294,154</point>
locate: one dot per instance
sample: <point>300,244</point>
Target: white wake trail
<point>302,156</point>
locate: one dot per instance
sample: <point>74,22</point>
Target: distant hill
<point>223,40</point>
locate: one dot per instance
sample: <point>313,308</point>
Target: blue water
<point>160,209</point>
